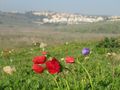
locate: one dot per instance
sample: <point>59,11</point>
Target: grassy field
<point>18,30</point>
<point>19,35</point>
<point>94,72</point>
<point>98,72</point>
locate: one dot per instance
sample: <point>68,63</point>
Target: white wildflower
<point>62,59</point>
<point>43,45</point>
<point>66,43</point>
<point>86,58</point>
<point>9,69</point>
<point>114,54</point>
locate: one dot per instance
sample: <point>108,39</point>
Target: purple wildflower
<point>85,51</point>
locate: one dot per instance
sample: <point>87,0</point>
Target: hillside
<point>17,29</point>
<point>31,19</point>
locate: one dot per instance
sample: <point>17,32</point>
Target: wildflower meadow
<point>71,66</point>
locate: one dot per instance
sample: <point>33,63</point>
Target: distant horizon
<point>55,11</point>
<point>86,7</point>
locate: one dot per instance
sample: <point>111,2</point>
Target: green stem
<point>73,78</point>
<point>56,82</point>
<point>68,87</point>
<point>90,79</point>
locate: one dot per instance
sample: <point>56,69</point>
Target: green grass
<point>96,73</point>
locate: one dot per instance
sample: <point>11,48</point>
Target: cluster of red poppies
<point>53,65</point>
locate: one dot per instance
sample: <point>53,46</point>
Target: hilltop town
<point>66,18</point>
<point>49,17</point>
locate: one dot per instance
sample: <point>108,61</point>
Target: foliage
<point>109,43</point>
<point>84,74</point>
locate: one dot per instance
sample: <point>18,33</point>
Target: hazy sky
<point>91,7</point>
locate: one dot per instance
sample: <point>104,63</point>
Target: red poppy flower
<point>69,59</point>
<point>39,59</point>
<point>37,68</point>
<point>44,53</point>
<point>53,66</point>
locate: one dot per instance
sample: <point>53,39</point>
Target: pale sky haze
<point>89,7</point>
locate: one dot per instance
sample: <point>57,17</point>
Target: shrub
<point>109,43</point>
